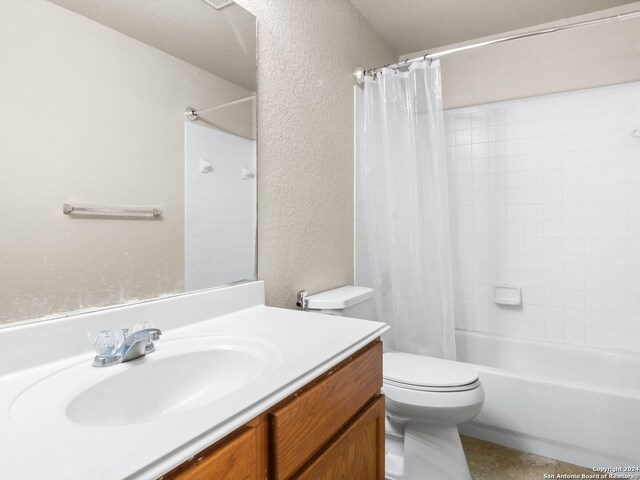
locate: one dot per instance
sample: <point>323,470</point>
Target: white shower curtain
<point>403,181</point>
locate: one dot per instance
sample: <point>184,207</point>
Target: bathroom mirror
<point>110,193</point>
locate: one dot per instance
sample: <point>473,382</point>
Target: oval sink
<point>165,387</point>
<point>180,376</point>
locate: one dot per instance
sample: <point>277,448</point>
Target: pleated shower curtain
<point>402,177</point>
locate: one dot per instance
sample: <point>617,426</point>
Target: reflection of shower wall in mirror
<point>220,213</point>
<point>90,114</point>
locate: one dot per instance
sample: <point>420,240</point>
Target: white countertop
<point>51,446</point>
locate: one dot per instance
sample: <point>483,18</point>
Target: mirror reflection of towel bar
<point>68,209</point>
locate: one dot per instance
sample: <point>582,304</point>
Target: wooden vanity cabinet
<point>330,429</point>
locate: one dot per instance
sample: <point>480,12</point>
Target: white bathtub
<point>571,403</point>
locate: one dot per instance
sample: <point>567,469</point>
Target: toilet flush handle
<point>301,300</point>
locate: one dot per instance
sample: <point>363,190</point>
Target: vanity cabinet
<point>332,428</point>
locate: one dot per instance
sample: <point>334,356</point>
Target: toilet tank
<point>349,301</point>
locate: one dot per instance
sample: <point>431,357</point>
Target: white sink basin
<point>180,376</point>
<point>165,387</point>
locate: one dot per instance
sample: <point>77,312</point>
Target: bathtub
<point>572,403</point>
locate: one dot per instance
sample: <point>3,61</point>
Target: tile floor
<point>488,461</point>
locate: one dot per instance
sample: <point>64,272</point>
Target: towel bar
<point>68,209</point>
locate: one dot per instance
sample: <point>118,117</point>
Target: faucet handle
<point>105,342</point>
<point>143,325</point>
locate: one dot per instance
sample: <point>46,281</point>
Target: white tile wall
<point>545,193</point>
<point>220,209</point>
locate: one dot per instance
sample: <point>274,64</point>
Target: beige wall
<point>88,114</point>
<point>587,57</point>
<point>308,52</point>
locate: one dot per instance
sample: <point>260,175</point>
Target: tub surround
<point>545,194</point>
<point>306,345</point>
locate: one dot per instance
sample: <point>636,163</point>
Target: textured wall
<point>308,53</point>
<point>89,114</point>
<point>587,57</point>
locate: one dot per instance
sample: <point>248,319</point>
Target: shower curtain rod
<point>192,113</point>
<point>360,73</point>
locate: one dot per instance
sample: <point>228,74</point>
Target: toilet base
<point>425,451</point>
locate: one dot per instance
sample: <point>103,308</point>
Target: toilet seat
<point>427,374</point>
<point>429,388</point>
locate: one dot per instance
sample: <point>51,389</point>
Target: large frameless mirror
<point>127,146</point>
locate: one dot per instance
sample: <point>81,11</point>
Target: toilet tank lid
<point>339,298</point>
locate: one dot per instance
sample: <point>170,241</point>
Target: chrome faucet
<point>133,346</point>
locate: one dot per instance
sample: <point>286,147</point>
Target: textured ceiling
<point>222,42</point>
<point>414,25</point>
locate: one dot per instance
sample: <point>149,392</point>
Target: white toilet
<point>426,399</point>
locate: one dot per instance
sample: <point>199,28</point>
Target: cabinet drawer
<point>307,423</point>
<point>357,454</point>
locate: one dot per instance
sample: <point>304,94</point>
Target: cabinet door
<point>357,454</point>
<point>301,428</point>
<point>241,458</point>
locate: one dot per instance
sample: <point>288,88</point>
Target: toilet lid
<point>420,372</point>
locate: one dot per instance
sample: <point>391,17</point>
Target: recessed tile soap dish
<point>504,294</point>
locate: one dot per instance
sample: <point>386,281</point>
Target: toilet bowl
<point>426,399</point>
